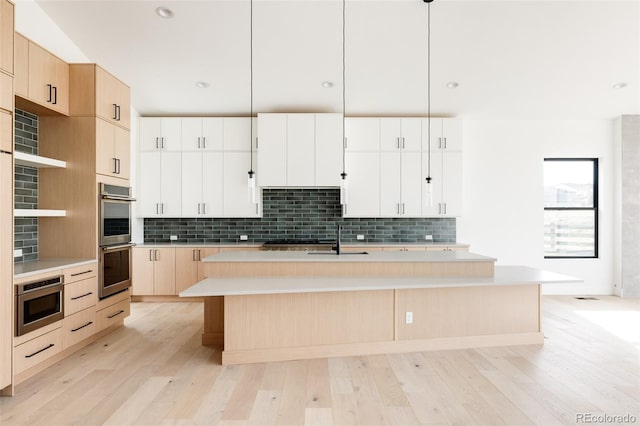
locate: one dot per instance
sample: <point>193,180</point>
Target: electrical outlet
<point>243,238</point>
<point>428,237</point>
<point>360,237</point>
<point>17,253</point>
<point>408,317</point>
<point>173,238</point>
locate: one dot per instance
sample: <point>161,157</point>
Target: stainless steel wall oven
<point>115,239</point>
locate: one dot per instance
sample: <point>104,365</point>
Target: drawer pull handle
<point>41,350</point>
<point>82,273</point>
<point>82,326</point>
<point>116,314</point>
<point>82,295</point>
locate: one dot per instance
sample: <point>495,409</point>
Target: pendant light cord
<point>251,86</point>
<point>429,89</point>
<point>344,96</point>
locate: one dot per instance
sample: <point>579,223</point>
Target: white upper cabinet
<point>362,134</point>
<point>446,134</point>
<point>363,184</point>
<point>400,189</point>
<point>401,134</point>
<point>236,134</point>
<point>202,134</point>
<point>202,181</point>
<point>160,133</point>
<point>329,147</point>
<point>299,150</point>
<point>235,192</point>
<point>446,175</point>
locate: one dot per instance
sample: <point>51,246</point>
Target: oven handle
<point>119,247</point>
<point>116,198</point>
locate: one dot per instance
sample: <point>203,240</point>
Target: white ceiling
<point>512,59</point>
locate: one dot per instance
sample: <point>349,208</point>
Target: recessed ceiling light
<point>327,84</point>
<point>202,84</point>
<point>164,12</point>
<point>452,84</point>
<point>620,85</point>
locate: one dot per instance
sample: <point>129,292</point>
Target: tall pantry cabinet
<point>6,190</point>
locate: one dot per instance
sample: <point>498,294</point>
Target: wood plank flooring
<point>154,371</point>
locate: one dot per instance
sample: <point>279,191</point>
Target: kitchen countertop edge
<point>41,266</point>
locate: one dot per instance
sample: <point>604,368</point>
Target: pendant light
<point>251,181</point>
<point>429,185</point>
<point>343,175</point>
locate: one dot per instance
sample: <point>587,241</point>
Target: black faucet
<point>337,246</point>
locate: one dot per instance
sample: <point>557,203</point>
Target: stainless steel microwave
<point>115,214</point>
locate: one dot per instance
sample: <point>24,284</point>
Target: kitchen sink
<point>334,254</point>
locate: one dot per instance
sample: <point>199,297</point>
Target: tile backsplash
<point>26,187</point>
<point>302,214</point>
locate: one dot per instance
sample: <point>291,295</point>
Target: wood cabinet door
<point>204,252</point>
<point>60,78</point>
<point>122,142</point>
<point>142,271</point>
<point>6,93</point>
<point>6,132</point>
<point>40,75</point>
<point>186,267</point>
<point>6,36</point>
<point>112,99</point>
<point>6,267</point>
<point>106,161</point>
<point>164,272</point>
<point>21,66</point>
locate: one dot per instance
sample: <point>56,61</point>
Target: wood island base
<point>290,326</point>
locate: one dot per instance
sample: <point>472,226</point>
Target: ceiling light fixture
<point>343,175</point>
<point>327,84</point>
<point>164,12</point>
<point>429,189</point>
<point>202,84</point>
<point>251,181</point>
<point>452,84</point>
<point>620,85</point>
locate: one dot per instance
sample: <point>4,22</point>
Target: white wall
<point>503,194</point>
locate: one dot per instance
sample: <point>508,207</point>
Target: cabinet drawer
<point>80,295</point>
<point>78,327</point>
<point>113,314</point>
<point>37,350</point>
<point>82,272</point>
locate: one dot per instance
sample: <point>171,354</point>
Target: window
<point>570,208</point>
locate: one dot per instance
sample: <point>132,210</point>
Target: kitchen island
<point>271,306</point>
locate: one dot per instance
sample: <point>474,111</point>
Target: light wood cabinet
<point>37,350</point>
<point>112,150</point>
<point>6,92</point>
<point>6,267</point>
<point>154,271</point>
<point>78,326</point>
<point>189,268</point>
<point>6,35</point>
<point>113,310</point>
<point>112,102</point>
<point>6,131</point>
<point>80,295</point>
<point>45,82</point>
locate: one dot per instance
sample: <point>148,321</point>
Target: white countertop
<point>327,257</point>
<point>504,275</point>
<point>26,269</point>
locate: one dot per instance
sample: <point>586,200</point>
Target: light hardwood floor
<point>154,371</point>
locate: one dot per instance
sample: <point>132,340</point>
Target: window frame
<point>594,208</point>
